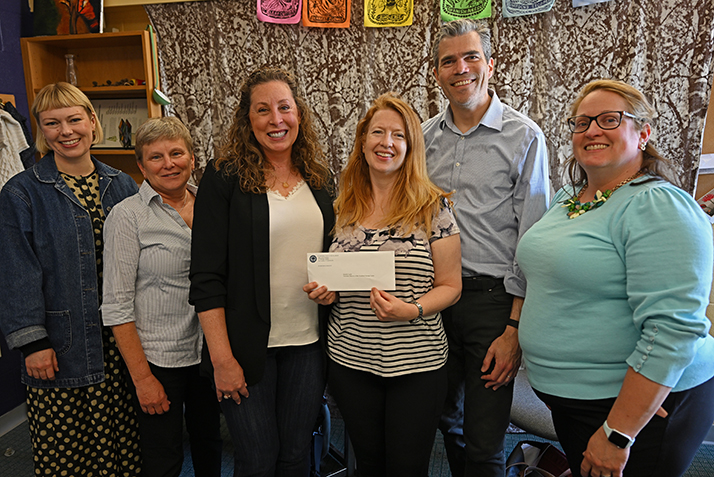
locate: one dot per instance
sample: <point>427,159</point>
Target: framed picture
<point>68,17</point>
<point>120,118</point>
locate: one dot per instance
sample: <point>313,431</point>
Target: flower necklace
<point>576,208</point>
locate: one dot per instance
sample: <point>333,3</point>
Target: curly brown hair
<point>242,154</point>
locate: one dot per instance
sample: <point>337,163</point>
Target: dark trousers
<point>272,428</point>
<point>664,448</point>
<point>475,418</point>
<point>192,397</point>
<point>391,421</point>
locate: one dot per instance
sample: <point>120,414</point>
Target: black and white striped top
<point>357,339</point>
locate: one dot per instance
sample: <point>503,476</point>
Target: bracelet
<point>513,323</point>
<point>421,313</point>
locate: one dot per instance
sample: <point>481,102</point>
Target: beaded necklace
<point>577,208</point>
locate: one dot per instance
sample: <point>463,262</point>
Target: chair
<point>528,412</point>
<point>322,445</point>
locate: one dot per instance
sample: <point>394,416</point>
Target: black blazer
<point>230,265</point>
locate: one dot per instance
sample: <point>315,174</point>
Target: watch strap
<point>513,323</point>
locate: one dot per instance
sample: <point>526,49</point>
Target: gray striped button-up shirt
<point>147,254</point>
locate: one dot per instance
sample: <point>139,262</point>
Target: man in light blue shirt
<point>495,161</point>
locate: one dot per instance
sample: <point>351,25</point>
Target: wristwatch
<point>623,441</point>
<point>421,313</point>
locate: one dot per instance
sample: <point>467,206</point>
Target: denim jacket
<point>48,283</point>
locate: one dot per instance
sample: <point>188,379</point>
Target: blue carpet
<point>16,455</point>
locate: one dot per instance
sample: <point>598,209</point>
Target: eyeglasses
<point>606,121</point>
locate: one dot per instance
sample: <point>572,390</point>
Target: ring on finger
<point>374,310</point>
<point>226,396</point>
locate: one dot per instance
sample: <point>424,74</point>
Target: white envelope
<point>352,271</point>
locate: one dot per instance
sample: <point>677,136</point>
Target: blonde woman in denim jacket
<point>51,217</point>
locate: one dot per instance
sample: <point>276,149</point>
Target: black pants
<point>475,418</point>
<point>391,421</point>
<point>664,448</point>
<point>161,435</point>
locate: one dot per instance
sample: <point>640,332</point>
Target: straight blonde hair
<point>57,96</point>
<point>414,198</point>
<point>653,162</point>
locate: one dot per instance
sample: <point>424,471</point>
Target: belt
<point>480,283</point>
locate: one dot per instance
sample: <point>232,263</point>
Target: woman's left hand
<point>387,307</point>
<point>319,294</point>
<point>603,458</point>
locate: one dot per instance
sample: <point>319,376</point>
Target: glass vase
<point>71,70</point>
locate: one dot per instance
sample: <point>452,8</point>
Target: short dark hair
<point>462,27</point>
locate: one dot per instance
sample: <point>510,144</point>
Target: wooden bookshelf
<point>99,57</point>
<point>8,98</point>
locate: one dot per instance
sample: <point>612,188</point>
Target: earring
<point>643,146</point>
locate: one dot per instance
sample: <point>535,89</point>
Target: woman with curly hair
<point>387,349</point>
<point>261,207</point>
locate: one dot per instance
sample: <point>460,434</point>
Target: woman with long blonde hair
<point>387,349</point>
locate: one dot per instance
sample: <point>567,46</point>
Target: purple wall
<point>15,21</point>
<point>14,15</point>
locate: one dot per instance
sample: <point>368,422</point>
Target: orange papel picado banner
<point>326,13</point>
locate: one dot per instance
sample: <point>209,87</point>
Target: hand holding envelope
<point>319,294</point>
<point>357,271</point>
<point>328,276</point>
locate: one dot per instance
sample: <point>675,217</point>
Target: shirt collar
<point>147,193</point>
<point>492,118</point>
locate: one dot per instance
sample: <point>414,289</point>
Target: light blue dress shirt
<point>498,171</point>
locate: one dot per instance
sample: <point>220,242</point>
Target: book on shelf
<point>120,118</point>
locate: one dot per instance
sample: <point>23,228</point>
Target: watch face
<point>619,440</point>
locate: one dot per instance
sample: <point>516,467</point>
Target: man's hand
<point>505,355</point>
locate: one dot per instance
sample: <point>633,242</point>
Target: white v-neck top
<point>296,229</point>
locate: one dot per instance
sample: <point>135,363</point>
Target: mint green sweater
<point>624,285</point>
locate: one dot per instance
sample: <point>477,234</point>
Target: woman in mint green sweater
<point>619,270</point>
